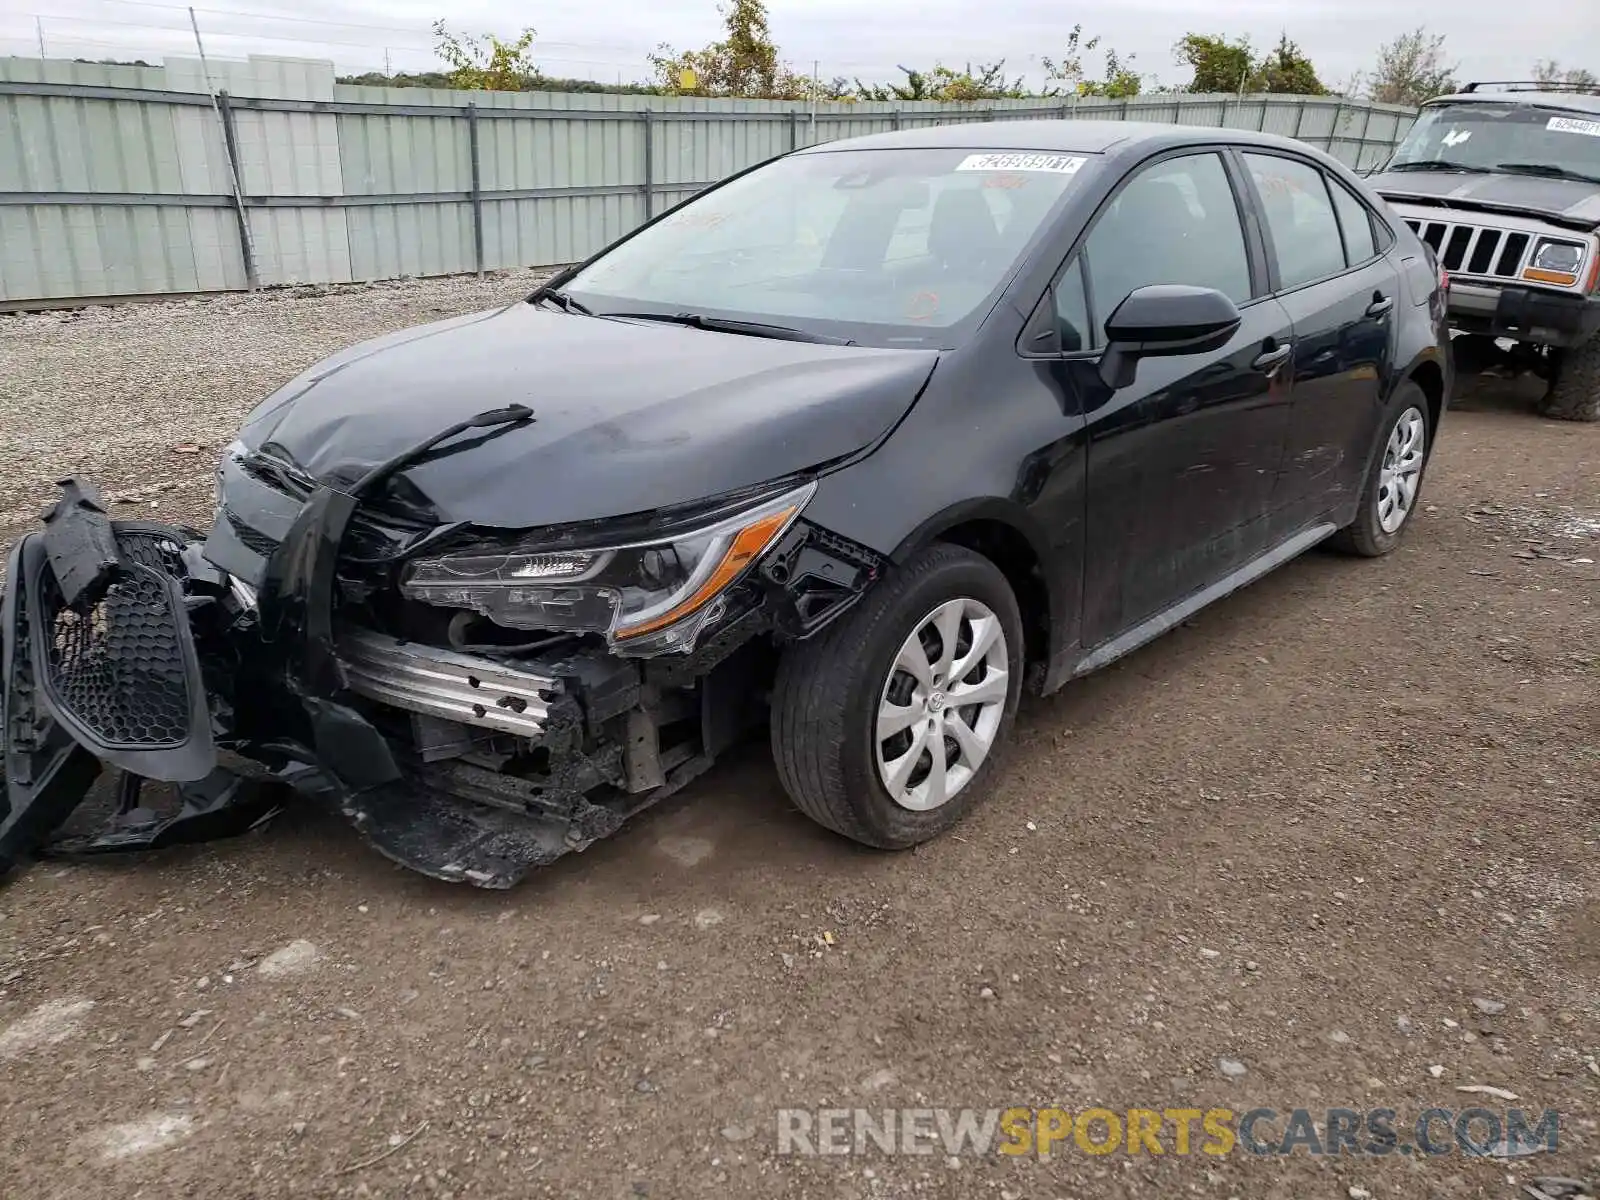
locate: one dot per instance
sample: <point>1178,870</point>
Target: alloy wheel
<point>941,707</point>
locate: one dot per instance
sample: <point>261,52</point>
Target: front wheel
<point>1574,393</point>
<point>887,727</point>
<point>1390,493</point>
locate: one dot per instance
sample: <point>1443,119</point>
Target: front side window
<point>1517,139</point>
<point>1175,221</point>
<point>1305,233</point>
<point>887,247</point>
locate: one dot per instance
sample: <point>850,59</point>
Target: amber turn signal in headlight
<point>739,553</point>
<point>648,596</point>
<point>1555,262</point>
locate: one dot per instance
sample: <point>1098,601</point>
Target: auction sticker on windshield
<point>1059,164</point>
<point>1574,125</point>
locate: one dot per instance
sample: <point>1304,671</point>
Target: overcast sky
<point>610,40</point>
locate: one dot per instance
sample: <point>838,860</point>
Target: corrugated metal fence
<point>119,181</point>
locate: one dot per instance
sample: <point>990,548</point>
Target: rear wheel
<point>1574,393</point>
<point>887,727</point>
<point>1394,481</point>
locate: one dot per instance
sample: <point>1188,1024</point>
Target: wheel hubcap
<point>1401,473</point>
<point>940,709</point>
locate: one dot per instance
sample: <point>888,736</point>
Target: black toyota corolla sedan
<point>859,444</point>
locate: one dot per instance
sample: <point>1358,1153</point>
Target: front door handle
<point>1381,306</point>
<point>1273,359</point>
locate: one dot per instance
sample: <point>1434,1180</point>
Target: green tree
<point>539,83</point>
<point>486,64</point>
<point>1120,82</point>
<point>988,82</point>
<point>1219,64</point>
<point>1285,69</point>
<point>744,63</point>
<point>1411,69</point>
<point>1066,75</point>
<point>916,87</point>
<point>1549,71</point>
<point>985,82</point>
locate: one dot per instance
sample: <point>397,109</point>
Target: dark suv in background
<point>877,434</point>
<point>1503,181</point>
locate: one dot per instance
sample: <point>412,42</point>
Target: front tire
<point>1574,393</point>
<point>1393,487</point>
<point>888,726</point>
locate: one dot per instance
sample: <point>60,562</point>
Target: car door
<point>1340,292</point>
<point>1180,465</point>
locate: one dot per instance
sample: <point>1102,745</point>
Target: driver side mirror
<point>1161,321</point>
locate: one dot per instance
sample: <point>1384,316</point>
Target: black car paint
<point>1066,454</point>
<point>630,416</point>
<point>1113,512</point>
<point>1343,369</point>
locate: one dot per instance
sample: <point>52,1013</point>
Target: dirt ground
<point>1323,832</point>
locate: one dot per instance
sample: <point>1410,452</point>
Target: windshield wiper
<point>1438,164</point>
<point>782,333</point>
<point>496,418</point>
<point>561,300</point>
<point>1547,170</point>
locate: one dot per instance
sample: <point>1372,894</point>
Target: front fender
<point>1011,537</point>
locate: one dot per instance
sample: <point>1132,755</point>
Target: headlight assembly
<point>646,597</point>
<point>1555,262</point>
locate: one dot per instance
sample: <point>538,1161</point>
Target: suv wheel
<point>886,727</point>
<point>1575,388</point>
<point>1394,481</point>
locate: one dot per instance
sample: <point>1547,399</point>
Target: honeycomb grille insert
<point>119,668</point>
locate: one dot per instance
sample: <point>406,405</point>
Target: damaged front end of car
<point>477,701</point>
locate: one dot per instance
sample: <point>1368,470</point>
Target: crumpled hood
<point>629,416</point>
<point>1561,199</point>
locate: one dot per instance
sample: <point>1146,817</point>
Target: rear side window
<point>1305,233</point>
<point>1176,221</point>
<point>1382,234</point>
<point>1355,220</point>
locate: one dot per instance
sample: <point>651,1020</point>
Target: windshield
<point>884,247</point>
<point>1485,136</point>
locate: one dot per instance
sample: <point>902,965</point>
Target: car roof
<point>1576,101</point>
<point>1079,137</point>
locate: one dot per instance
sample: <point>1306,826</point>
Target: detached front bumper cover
<point>164,665</point>
<point>100,670</point>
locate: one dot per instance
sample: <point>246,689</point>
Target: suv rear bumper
<point>1525,314</point>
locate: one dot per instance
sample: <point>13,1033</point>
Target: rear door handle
<point>1273,359</point>
<point>1381,306</point>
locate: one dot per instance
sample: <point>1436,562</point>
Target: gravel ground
<point>1333,843</point>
